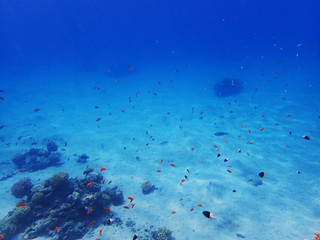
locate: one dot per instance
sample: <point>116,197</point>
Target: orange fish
<point>91,223</point>
<point>180,199</point>
<point>229,166</point>
<point>249,131</point>
<point>132,177</point>
<point>1,236</point>
<point>109,182</point>
<point>146,182</point>
<point>21,204</point>
<point>192,148</point>
<point>262,115</point>
<point>158,170</point>
<point>36,109</point>
<point>173,212</point>
<point>199,205</point>
<point>89,211</point>
<point>249,142</point>
<point>56,229</point>
<point>182,180</point>
<point>289,115</point>
<point>276,124</point>
<point>188,170</point>
<point>191,209</point>
<point>229,171</point>
<point>261,129</point>
<point>133,205</point>
<point>130,198</point>
<point>107,209</point>
<point>161,161</point>
<point>126,207</point>
<point>89,184</point>
<point>171,164</point>
<point>102,169</point>
<point>100,232</point>
<point>103,181</point>
<point>243,126</point>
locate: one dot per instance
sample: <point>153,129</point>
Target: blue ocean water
<point>191,99</point>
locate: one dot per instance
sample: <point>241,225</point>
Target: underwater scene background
<point>159,120</point>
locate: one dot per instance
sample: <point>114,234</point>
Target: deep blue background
<point>89,34</point>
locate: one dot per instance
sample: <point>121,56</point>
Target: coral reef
<point>63,202</point>
<point>37,159</point>
<point>162,233</point>
<point>147,188</point>
<point>52,146</point>
<point>21,188</point>
<point>228,87</point>
<point>82,158</point>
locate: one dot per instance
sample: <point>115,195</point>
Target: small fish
<point>192,148</point>
<point>146,182</point>
<point>158,170</point>
<point>107,209</point>
<point>250,142</point>
<point>229,171</point>
<point>103,181</point>
<point>21,204</point>
<point>188,170</point>
<point>249,131</point>
<point>199,205</point>
<point>56,229</point>
<point>36,110</point>
<point>89,184</point>
<point>262,174</point>
<point>172,164</point>
<point>89,211</point>
<point>126,207</point>
<point>135,236</point>
<point>98,119</point>
<point>262,116</point>
<point>109,182</point>
<point>100,232</point>
<point>182,180</point>
<point>1,236</point>
<point>110,220</point>
<point>131,199</point>
<point>289,115</point>
<point>180,199</point>
<point>226,160</point>
<point>102,169</point>
<point>173,212</point>
<point>91,223</point>
<point>243,126</point>
<point>219,154</point>
<point>261,129</point>
<point>208,214</point>
<point>276,124</point>
<point>305,137</point>
<point>191,209</point>
<point>161,161</point>
<point>133,205</point>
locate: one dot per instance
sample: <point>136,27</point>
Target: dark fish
<point>220,133</point>
<point>135,236</point>
<point>208,214</point>
<point>305,137</point>
<point>262,174</point>
<point>219,154</point>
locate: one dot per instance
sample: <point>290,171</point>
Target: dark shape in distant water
<point>228,87</point>
<point>220,133</point>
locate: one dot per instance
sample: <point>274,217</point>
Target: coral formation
<point>317,236</point>
<point>64,202</point>
<point>52,146</point>
<point>37,159</point>
<point>228,87</point>
<point>82,158</point>
<point>21,188</point>
<point>147,187</point>
<point>162,233</point>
